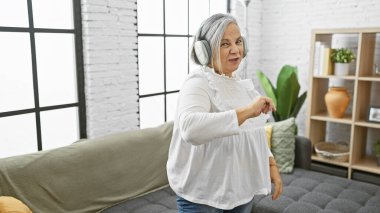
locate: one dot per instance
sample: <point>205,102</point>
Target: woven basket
<point>332,151</point>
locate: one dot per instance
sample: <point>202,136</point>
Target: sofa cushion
<point>163,201</point>
<point>283,144</point>
<point>268,132</point>
<point>309,191</point>
<point>304,191</point>
<point>12,205</point>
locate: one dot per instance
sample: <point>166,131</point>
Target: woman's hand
<point>275,179</point>
<point>261,105</point>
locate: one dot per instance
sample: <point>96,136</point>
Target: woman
<point>219,157</point>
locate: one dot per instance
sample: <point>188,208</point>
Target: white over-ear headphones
<point>203,51</point>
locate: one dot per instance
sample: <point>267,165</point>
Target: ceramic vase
<point>341,69</point>
<point>337,100</point>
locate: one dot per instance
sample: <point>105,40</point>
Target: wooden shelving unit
<point>363,80</point>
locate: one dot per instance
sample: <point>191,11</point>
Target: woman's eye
<point>225,45</point>
<point>239,41</point>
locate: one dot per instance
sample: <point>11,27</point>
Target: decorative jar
<point>337,100</point>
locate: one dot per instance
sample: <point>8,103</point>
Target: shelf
<point>367,164</point>
<point>347,77</point>
<point>347,119</point>
<point>369,78</point>
<point>348,30</point>
<point>363,85</point>
<point>368,124</point>
<point>320,159</point>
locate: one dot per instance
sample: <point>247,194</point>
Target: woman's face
<point>231,50</point>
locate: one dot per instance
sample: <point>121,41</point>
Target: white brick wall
<point>254,34</point>
<point>110,64</point>
<point>283,30</point>
<point>279,33</point>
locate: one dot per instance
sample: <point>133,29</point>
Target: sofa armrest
<point>302,153</point>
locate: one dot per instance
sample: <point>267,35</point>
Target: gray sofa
<point>305,191</point>
<point>125,172</point>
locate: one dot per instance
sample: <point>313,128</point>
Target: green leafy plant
<point>377,148</point>
<point>342,55</point>
<point>285,96</point>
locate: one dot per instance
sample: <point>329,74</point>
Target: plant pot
<point>377,69</point>
<point>337,100</point>
<point>341,69</point>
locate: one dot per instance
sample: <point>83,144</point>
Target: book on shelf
<point>327,64</point>
<point>322,62</point>
<point>316,58</point>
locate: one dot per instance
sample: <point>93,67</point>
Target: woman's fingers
<point>264,105</point>
<point>268,105</point>
<point>277,189</point>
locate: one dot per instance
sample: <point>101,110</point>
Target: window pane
<point>53,14</point>
<point>56,68</point>
<point>171,105</point>
<point>192,65</point>
<point>18,135</point>
<point>151,111</point>
<point>150,16</point>
<point>151,64</point>
<point>176,62</point>
<point>199,11</point>
<point>14,13</point>
<point>59,127</point>
<point>218,6</point>
<point>176,17</point>
<point>16,76</point>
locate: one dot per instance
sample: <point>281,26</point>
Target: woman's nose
<point>234,49</point>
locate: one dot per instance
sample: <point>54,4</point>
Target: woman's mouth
<point>234,59</point>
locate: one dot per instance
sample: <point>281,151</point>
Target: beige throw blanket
<point>91,175</point>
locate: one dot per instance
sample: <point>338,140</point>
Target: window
<point>165,31</point>
<point>41,75</point>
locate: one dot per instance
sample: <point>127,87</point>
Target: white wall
<point>285,32</point>
<point>254,31</point>
<point>110,64</point>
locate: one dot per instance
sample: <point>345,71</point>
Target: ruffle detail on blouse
<point>250,88</point>
<point>216,82</point>
<point>222,84</point>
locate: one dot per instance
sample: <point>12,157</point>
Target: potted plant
<point>342,58</point>
<point>377,151</point>
<point>285,96</point>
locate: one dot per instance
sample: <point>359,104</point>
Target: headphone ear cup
<point>245,46</point>
<point>203,51</point>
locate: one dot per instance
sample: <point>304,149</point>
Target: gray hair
<point>212,30</point>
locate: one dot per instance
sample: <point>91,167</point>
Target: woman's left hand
<point>276,180</point>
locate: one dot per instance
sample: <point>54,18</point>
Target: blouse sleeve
<point>196,123</point>
<point>270,152</point>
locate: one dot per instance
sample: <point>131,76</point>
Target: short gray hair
<point>212,30</point>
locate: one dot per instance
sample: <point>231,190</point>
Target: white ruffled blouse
<point>213,160</point>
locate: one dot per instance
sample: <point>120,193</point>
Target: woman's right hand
<point>261,105</point>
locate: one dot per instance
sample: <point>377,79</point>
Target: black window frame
<point>164,36</point>
<point>81,103</point>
